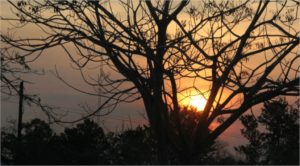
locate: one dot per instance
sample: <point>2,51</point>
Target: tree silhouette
<point>36,138</point>
<point>8,145</point>
<point>233,48</point>
<point>84,144</point>
<point>133,147</point>
<point>87,144</point>
<point>279,143</point>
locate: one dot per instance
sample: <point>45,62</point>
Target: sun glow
<point>198,102</point>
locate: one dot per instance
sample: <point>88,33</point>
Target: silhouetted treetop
<point>273,136</point>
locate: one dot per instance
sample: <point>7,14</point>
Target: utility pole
<point>99,89</point>
<point>19,134</point>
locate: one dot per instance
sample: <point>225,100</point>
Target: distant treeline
<point>88,144</point>
<point>84,144</point>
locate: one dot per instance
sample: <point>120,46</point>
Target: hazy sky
<point>53,92</point>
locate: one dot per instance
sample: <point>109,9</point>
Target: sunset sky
<point>54,92</point>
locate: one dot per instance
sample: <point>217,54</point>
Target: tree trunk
<point>161,131</point>
<point>163,157</point>
<point>157,119</point>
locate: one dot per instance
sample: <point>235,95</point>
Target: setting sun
<point>198,102</point>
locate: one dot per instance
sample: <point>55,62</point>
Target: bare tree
<point>236,54</point>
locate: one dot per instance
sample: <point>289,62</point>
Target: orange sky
<point>54,92</point>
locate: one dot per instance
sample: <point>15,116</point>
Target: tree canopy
<point>273,136</point>
<point>86,143</point>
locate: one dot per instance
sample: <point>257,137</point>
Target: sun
<point>197,101</point>
<point>193,100</point>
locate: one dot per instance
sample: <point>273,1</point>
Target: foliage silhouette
<point>84,144</point>
<point>88,144</point>
<point>133,147</point>
<point>80,145</point>
<point>277,143</point>
<point>36,137</point>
